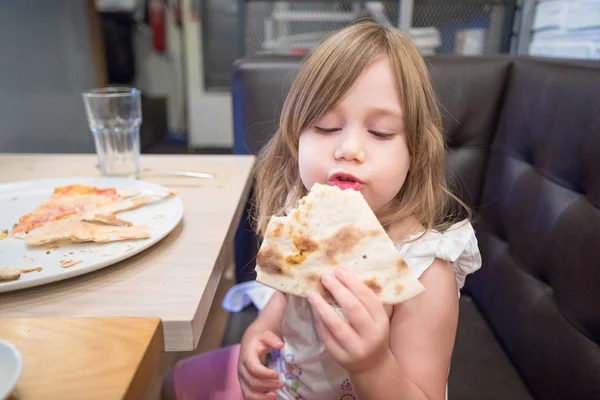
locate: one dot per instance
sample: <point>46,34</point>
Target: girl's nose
<point>350,146</point>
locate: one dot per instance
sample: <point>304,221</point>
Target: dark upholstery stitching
<point>470,147</point>
<point>523,267</point>
<point>534,167</point>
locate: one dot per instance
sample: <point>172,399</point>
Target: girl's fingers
<point>266,343</point>
<point>257,370</point>
<point>339,328</point>
<point>250,394</point>
<point>271,340</point>
<point>354,310</point>
<point>259,384</point>
<point>365,295</point>
<point>334,348</point>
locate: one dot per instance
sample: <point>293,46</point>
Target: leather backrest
<point>470,90</point>
<point>539,231</point>
<point>259,86</point>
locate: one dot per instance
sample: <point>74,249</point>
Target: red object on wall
<point>158,21</point>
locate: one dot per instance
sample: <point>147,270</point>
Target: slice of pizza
<point>67,201</point>
<point>77,231</point>
<point>332,228</point>
<point>127,204</point>
<point>98,223</point>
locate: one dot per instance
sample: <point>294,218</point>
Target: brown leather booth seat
<point>524,151</point>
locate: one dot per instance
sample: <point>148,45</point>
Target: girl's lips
<point>344,185</point>
<point>345,181</point>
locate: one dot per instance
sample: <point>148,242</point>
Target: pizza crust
<point>9,273</point>
<point>130,203</point>
<point>109,219</point>
<point>76,231</point>
<point>332,228</point>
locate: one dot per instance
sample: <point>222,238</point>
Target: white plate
<point>11,366</point>
<point>20,198</point>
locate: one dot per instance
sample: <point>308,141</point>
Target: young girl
<point>361,115</point>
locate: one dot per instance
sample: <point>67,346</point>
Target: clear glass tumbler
<point>114,115</point>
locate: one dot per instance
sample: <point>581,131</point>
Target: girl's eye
<point>326,130</point>
<point>381,135</point>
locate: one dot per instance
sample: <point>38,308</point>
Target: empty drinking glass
<point>114,115</point>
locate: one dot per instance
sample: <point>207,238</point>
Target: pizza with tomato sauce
<point>77,214</point>
<point>80,213</point>
<point>67,201</point>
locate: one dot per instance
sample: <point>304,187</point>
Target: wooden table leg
<point>211,339</point>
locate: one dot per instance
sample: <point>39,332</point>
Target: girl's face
<point>360,144</point>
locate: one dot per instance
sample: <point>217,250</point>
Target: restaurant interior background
<point>180,53</point>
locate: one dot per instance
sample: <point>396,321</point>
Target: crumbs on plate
<point>52,248</point>
<point>69,263</point>
<point>36,268</point>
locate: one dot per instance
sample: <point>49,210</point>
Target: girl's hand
<point>361,342</point>
<point>256,380</point>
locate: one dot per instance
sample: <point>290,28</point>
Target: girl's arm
<point>256,380</point>
<point>271,317</point>
<point>422,333</point>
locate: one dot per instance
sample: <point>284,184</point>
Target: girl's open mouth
<point>345,181</point>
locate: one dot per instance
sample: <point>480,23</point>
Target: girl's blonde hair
<point>325,77</point>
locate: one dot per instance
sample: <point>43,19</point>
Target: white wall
<point>210,122</point>
<point>161,74</point>
<point>178,75</point>
<point>45,64</point>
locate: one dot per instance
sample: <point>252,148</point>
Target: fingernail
<point>341,271</point>
<point>311,296</point>
<point>327,279</point>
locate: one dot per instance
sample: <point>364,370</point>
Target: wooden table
<point>77,358</point>
<point>174,280</point>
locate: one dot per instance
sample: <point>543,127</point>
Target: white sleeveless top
<point>304,364</point>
